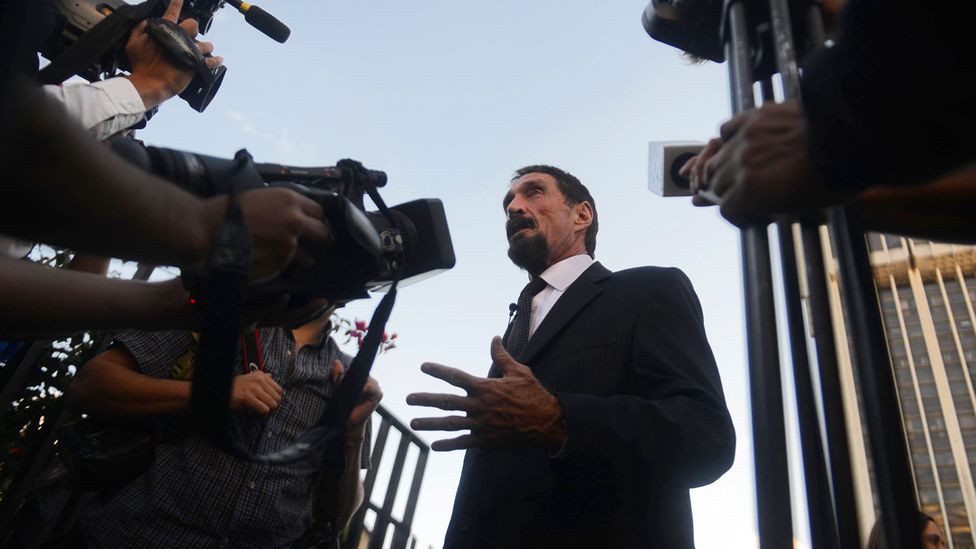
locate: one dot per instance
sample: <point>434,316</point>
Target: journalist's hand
<point>694,170</point>
<point>153,75</point>
<point>762,167</point>
<point>514,410</point>
<point>255,391</point>
<point>285,227</point>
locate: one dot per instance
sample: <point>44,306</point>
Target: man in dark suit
<point>603,407</point>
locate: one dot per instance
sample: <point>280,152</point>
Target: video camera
<point>692,26</point>
<point>88,39</point>
<point>369,248</point>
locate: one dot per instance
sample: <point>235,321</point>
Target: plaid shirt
<point>195,495</point>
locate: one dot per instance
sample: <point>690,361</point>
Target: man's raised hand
<point>514,410</point>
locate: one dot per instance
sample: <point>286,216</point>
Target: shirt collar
<point>560,275</point>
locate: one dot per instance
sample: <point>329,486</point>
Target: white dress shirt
<point>558,277</point>
<point>104,108</point>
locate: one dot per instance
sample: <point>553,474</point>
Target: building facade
<point>927,293</point>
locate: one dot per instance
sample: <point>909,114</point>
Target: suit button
<point>483,451</point>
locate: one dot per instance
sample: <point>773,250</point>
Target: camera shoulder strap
<point>90,46</point>
<point>222,304</point>
<point>251,352</point>
<point>327,435</point>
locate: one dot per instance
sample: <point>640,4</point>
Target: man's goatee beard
<point>531,254</point>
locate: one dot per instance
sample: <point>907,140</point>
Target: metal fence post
<point>885,431</point>
<point>768,428</point>
<point>835,426</point>
<point>823,528</point>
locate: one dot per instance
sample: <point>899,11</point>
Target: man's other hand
<point>154,76</point>
<point>255,391</point>
<point>514,410</point>
<point>694,170</point>
<point>369,399</point>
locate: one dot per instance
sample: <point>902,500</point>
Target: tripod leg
<point>873,364</point>
<point>768,428</point>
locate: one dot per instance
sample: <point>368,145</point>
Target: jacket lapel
<point>579,293</point>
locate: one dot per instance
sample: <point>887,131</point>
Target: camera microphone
<point>263,21</point>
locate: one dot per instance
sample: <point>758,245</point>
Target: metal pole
<point>838,451</point>
<point>835,425</point>
<point>401,534</point>
<point>823,529</point>
<point>385,513</point>
<point>768,429</point>
<point>886,435</point>
<point>885,430</point>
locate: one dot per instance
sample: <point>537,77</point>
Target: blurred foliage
<point>47,381</point>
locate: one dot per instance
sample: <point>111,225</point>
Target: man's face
<point>932,537</point>
<point>541,228</point>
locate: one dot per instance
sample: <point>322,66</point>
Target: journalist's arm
<point>115,104</point>
<point>888,105</point>
<point>39,301</point>
<point>941,210</point>
<point>350,485</point>
<point>62,187</point>
<point>111,385</point>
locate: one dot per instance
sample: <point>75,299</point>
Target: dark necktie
<point>519,335</point>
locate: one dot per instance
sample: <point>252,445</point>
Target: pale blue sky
<point>449,98</point>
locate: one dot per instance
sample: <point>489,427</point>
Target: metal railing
<point>384,511</point>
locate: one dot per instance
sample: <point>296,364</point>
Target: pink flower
<point>361,325</point>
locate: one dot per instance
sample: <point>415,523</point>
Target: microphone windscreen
<point>267,23</point>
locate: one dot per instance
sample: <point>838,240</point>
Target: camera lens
<point>680,180</point>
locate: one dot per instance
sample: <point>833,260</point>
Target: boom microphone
<point>263,21</point>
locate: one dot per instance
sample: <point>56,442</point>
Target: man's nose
<point>514,208</point>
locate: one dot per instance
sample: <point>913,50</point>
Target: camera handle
<point>183,51</point>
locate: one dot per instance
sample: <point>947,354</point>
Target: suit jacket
<point>626,355</point>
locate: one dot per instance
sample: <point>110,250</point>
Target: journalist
<point>108,107</point>
<point>196,495</point>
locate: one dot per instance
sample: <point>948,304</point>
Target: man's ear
<point>583,215</point>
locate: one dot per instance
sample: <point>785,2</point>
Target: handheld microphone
<point>263,21</point>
